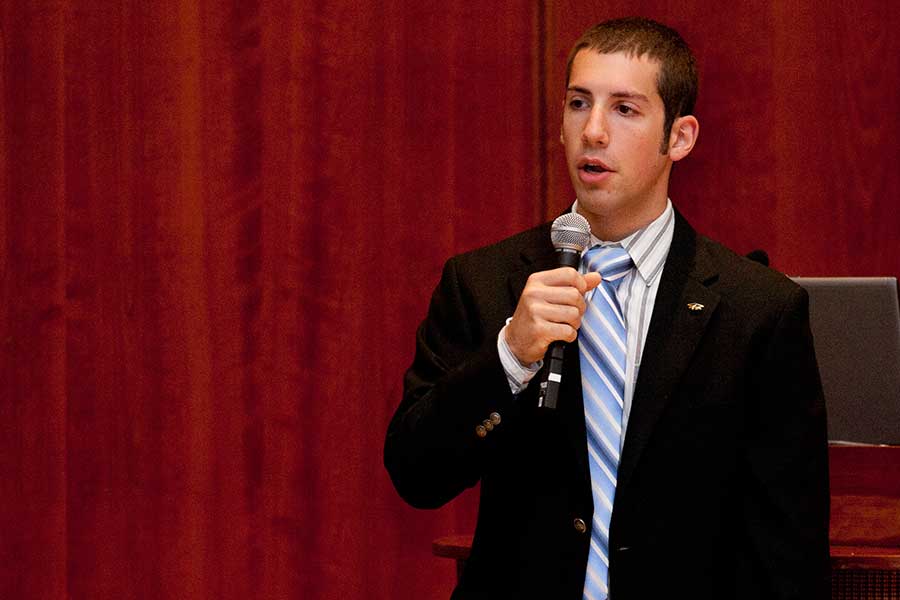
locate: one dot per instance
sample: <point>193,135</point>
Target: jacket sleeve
<point>786,503</point>
<point>456,381</point>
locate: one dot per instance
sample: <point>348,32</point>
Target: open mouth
<point>592,166</point>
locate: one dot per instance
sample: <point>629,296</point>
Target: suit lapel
<point>675,330</point>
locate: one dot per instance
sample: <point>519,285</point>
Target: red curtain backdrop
<point>221,225</point>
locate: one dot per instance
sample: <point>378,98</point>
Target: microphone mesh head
<point>571,231</point>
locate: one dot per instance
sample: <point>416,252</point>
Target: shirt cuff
<point>517,374</point>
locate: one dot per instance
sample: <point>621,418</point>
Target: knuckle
<point>529,297</point>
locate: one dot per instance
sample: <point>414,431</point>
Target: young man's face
<point>612,131</point>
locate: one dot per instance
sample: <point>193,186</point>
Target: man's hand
<point>549,309</point>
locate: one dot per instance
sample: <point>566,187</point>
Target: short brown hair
<point>636,36</point>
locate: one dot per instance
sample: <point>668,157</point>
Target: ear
<point>683,137</point>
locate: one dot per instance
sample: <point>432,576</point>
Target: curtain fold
<point>220,225</point>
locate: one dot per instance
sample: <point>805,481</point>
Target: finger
<point>591,281</point>
<point>562,276</point>
<point>567,296</point>
<point>560,314</point>
<point>563,332</point>
<point>531,343</point>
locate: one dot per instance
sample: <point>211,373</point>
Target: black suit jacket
<point>723,484</point>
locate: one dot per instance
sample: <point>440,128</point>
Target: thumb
<point>592,280</point>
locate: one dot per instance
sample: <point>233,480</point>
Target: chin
<point>598,202</point>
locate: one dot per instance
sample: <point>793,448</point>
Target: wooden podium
<point>865,524</point>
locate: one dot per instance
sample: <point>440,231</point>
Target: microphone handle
<point>549,390</point>
<point>568,258</point>
<point>549,387</point>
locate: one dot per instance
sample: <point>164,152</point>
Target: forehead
<point>616,72</point>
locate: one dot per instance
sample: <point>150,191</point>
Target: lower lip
<point>591,177</point>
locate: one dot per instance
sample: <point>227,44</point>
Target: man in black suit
<point>720,482</point>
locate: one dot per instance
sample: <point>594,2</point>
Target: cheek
<point>571,131</point>
<point>644,152</point>
<point>570,139</point>
<point>567,133</point>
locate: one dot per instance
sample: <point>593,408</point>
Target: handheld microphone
<point>570,235</point>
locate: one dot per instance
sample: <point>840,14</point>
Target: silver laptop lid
<point>855,323</point>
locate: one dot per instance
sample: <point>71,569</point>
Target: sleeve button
<point>495,418</point>
<point>487,424</point>
<point>580,527</point>
<point>480,431</point>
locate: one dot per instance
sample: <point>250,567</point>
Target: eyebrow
<point>617,94</point>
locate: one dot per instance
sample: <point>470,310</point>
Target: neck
<point>614,227</point>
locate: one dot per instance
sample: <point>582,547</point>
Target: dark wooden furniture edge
<point>458,547</point>
<point>865,557</point>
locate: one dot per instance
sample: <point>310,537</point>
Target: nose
<point>595,132</point>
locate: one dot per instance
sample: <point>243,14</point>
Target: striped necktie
<point>601,341</point>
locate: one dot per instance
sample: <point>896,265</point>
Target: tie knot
<point>612,262</point>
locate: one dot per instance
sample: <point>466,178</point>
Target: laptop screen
<point>855,323</point>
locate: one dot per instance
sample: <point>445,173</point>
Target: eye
<point>624,109</point>
<point>578,103</point>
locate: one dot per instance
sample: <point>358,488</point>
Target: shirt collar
<point>648,246</point>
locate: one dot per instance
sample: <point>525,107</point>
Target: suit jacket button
<point>495,418</point>
<point>487,424</point>
<point>580,527</point>
<point>480,431</point>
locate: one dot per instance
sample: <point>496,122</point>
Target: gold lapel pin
<point>695,306</point>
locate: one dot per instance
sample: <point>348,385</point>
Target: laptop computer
<point>855,323</point>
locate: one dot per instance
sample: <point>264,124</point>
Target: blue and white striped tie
<point>601,342</point>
